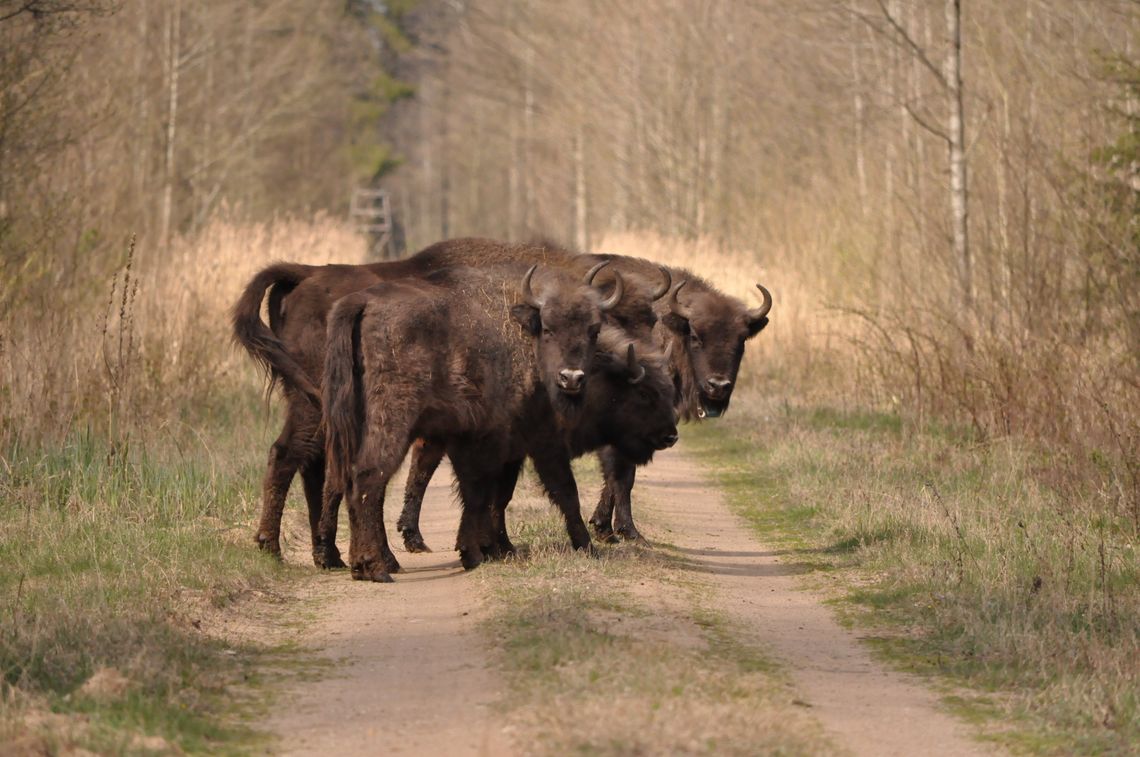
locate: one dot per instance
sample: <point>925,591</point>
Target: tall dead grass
<point>894,339</point>
<point>150,342</point>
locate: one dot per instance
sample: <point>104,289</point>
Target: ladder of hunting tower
<point>371,213</point>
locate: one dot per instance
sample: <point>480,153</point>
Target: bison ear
<point>527,317</point>
<point>757,325</point>
<point>676,323</point>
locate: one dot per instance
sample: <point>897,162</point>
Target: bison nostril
<point>717,386</point>
<point>670,440</point>
<point>569,379</point>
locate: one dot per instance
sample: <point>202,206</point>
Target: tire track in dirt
<point>863,706</point>
<point>410,671</point>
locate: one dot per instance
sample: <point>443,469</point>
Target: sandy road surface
<point>414,675</point>
<point>864,707</point>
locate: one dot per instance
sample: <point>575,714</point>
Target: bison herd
<point>490,353</point>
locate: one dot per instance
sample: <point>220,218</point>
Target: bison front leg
<point>504,491</point>
<point>426,457</point>
<point>620,478</point>
<point>604,512</point>
<point>553,468</point>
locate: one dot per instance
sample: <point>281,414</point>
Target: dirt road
<point>414,674</point>
<point>411,671</point>
<point>864,707</point>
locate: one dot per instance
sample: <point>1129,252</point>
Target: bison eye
<point>546,331</point>
<point>593,332</point>
<point>694,340</point>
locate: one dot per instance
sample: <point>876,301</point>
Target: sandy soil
<point>862,706</point>
<point>413,673</point>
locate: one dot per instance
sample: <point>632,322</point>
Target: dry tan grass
<point>156,338</point>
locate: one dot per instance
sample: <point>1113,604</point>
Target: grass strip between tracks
<point>628,653</point>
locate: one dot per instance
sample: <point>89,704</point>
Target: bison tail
<point>343,399</point>
<point>259,340</point>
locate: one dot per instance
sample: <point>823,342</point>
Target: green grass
<point>121,556</point>
<point>1022,603</point>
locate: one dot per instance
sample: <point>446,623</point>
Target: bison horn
<point>528,295</point>
<point>619,289</point>
<point>757,313</point>
<point>588,279</point>
<point>666,284</point>
<point>635,369</point>
<point>668,354</point>
<point>676,306</point>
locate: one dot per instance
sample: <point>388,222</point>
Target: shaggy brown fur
<point>628,407</point>
<point>292,347</point>
<point>440,358</point>
<point>704,332</point>
<point>701,329</point>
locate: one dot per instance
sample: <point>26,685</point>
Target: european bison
<point>701,329</point>
<point>629,407</point>
<point>291,348</point>
<point>438,357</point>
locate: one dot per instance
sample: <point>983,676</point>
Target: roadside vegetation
<point>975,562</point>
<point>131,451</point>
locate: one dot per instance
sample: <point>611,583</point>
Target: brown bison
<point>291,348</point>
<point>702,330</point>
<point>629,408</point>
<point>438,357</point>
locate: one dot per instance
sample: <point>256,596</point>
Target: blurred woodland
<point>948,190</point>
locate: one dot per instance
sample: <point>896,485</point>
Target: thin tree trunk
<point>860,107</point>
<point>581,235</point>
<point>528,128</point>
<point>173,42</point>
<point>957,132</point>
<point>444,168</point>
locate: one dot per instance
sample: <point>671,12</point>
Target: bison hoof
<point>629,533</point>
<point>269,544</point>
<point>414,542</point>
<point>371,572</point>
<point>603,531</point>
<point>392,564</point>
<point>470,559</point>
<point>328,558</point>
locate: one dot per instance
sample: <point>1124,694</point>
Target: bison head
<point>631,399</point>
<point>711,330</point>
<point>565,321</point>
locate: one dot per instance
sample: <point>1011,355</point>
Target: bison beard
<point>445,358</point>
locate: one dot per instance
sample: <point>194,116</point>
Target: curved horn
<point>528,295</point>
<point>668,354</point>
<point>675,305</point>
<point>635,369</point>
<point>588,279</point>
<point>666,284</point>
<point>757,313</point>
<point>619,289</point>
